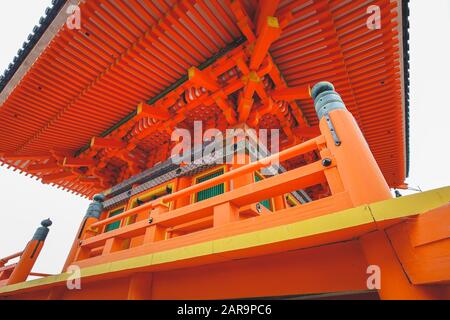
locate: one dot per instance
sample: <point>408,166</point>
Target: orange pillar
<point>394,282</point>
<point>183,182</point>
<point>360,174</point>
<point>140,287</point>
<point>93,213</point>
<point>155,232</point>
<point>241,157</point>
<point>364,182</point>
<point>279,203</point>
<point>30,254</point>
<point>244,179</point>
<point>225,213</point>
<point>113,245</point>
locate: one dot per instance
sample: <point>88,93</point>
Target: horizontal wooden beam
<point>292,93</point>
<point>33,168</point>
<point>98,142</point>
<point>25,157</point>
<point>55,177</point>
<point>306,132</point>
<point>77,162</point>
<point>89,180</point>
<point>202,79</point>
<point>155,112</point>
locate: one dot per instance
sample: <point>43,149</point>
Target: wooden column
<point>154,232</point>
<point>140,287</point>
<point>183,182</point>
<point>225,213</point>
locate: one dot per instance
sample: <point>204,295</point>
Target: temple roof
<point>67,86</point>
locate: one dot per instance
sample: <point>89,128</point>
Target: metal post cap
<point>42,232</point>
<point>46,223</point>
<point>321,87</point>
<point>100,197</point>
<point>96,206</point>
<point>326,99</point>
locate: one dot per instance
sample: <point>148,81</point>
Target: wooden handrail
<point>304,147</point>
<point>10,257</point>
<point>39,274</point>
<point>310,174</point>
<point>251,167</point>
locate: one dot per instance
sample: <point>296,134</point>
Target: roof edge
<point>405,21</point>
<point>57,5</point>
<point>28,46</point>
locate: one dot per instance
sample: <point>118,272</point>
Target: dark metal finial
<point>99,197</point>
<point>326,99</point>
<point>46,223</point>
<point>321,87</point>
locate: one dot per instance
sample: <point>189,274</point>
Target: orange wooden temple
<point>92,109</point>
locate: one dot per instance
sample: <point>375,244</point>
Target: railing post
<point>360,174</point>
<point>279,203</point>
<point>241,156</point>
<point>155,232</point>
<point>93,213</point>
<point>112,245</point>
<point>30,254</point>
<point>244,179</point>
<point>183,182</point>
<point>225,213</point>
<point>364,182</point>
<point>331,172</point>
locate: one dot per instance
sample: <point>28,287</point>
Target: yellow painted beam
<point>410,205</point>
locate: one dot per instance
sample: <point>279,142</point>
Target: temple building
<point>298,204</point>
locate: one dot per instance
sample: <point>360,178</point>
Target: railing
<point>216,211</point>
<point>6,270</point>
<point>299,149</point>
<point>345,164</point>
<point>5,260</point>
<point>18,272</point>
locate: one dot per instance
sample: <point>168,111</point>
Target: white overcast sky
<point>25,201</point>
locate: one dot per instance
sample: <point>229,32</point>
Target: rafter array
<point>130,51</point>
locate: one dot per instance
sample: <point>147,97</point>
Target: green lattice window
<point>213,191</point>
<point>115,224</point>
<point>265,203</point>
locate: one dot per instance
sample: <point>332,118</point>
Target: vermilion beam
<point>269,33</point>
<point>202,79</point>
<point>227,109</point>
<point>292,93</point>
<point>42,167</point>
<point>25,157</point>
<point>57,176</point>
<point>244,23</point>
<point>98,142</point>
<point>77,162</point>
<point>265,9</point>
<point>246,97</point>
<point>155,112</point>
<point>89,180</point>
<point>306,132</point>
